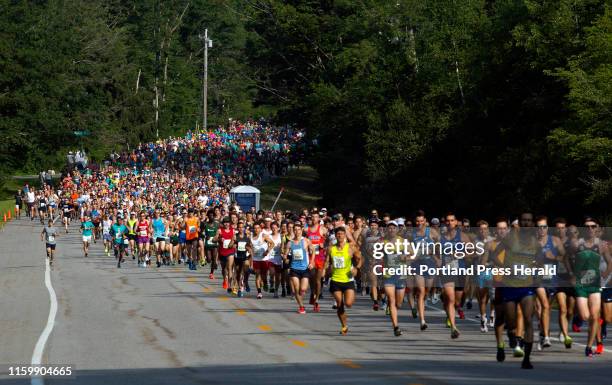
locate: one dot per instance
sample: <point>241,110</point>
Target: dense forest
<point>479,106</point>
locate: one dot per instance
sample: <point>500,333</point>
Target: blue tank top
<point>424,239</point>
<point>542,260</point>
<point>448,258</point>
<point>158,228</point>
<point>299,260</point>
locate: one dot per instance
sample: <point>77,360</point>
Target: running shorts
<point>606,295</point>
<point>569,291</point>
<point>584,292</point>
<point>51,246</point>
<point>142,240</point>
<point>300,274</point>
<point>341,286</point>
<point>160,239</point>
<point>516,294</point>
<point>430,263</point>
<point>86,238</point>
<point>260,265</point>
<point>396,280</point>
<point>131,237</point>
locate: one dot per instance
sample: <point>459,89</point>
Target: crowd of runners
<point>167,203</point>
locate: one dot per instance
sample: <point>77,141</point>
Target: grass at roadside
<point>7,205</point>
<point>300,190</point>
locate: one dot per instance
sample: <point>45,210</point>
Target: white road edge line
<point>44,336</point>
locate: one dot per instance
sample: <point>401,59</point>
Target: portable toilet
<point>245,197</point>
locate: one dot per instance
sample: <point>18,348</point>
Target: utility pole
<point>207,44</point>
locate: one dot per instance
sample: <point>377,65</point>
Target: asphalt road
<point>171,325</point>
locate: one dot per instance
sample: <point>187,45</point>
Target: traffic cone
<point>4,217</point>
<point>9,213</point>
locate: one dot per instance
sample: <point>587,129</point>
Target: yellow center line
<point>192,279</point>
<point>299,343</point>
<point>349,364</point>
<point>206,289</point>
<point>223,298</point>
<point>240,311</point>
<point>265,328</point>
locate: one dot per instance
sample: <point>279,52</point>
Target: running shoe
<point>316,308</point>
<point>225,284</point>
<point>259,296</point>
<point>448,323</point>
<point>469,305</point>
<point>235,291</point>
<point>275,295</point>
<point>567,341</point>
<point>546,343</point>
<point>344,330</point>
<point>375,307</point>
<point>588,351</point>
<point>435,298</point>
<point>229,290</point>
<point>302,310</point>
<point>397,331</point>
<point>211,276</point>
<point>247,288</point>
<point>414,313</point>
<point>518,352</point>
<point>599,349</point>
<point>265,286</point>
<point>492,320</point>
<point>388,310</point>
<point>240,294</point>
<point>284,293</point>
<point>455,333</point>
<point>526,364</point>
<point>423,327</point>
<point>158,264</point>
<point>483,326</point>
<point>461,313</point>
<point>501,353</point>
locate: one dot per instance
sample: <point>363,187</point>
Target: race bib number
<point>126,242</point>
<point>51,238</point>
<point>241,246</point>
<point>210,241</point>
<point>316,248</point>
<point>226,243</point>
<point>338,262</point>
<point>143,233</point>
<point>548,267</point>
<point>298,254</point>
<point>588,277</point>
<point>118,235</point>
<point>192,229</point>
